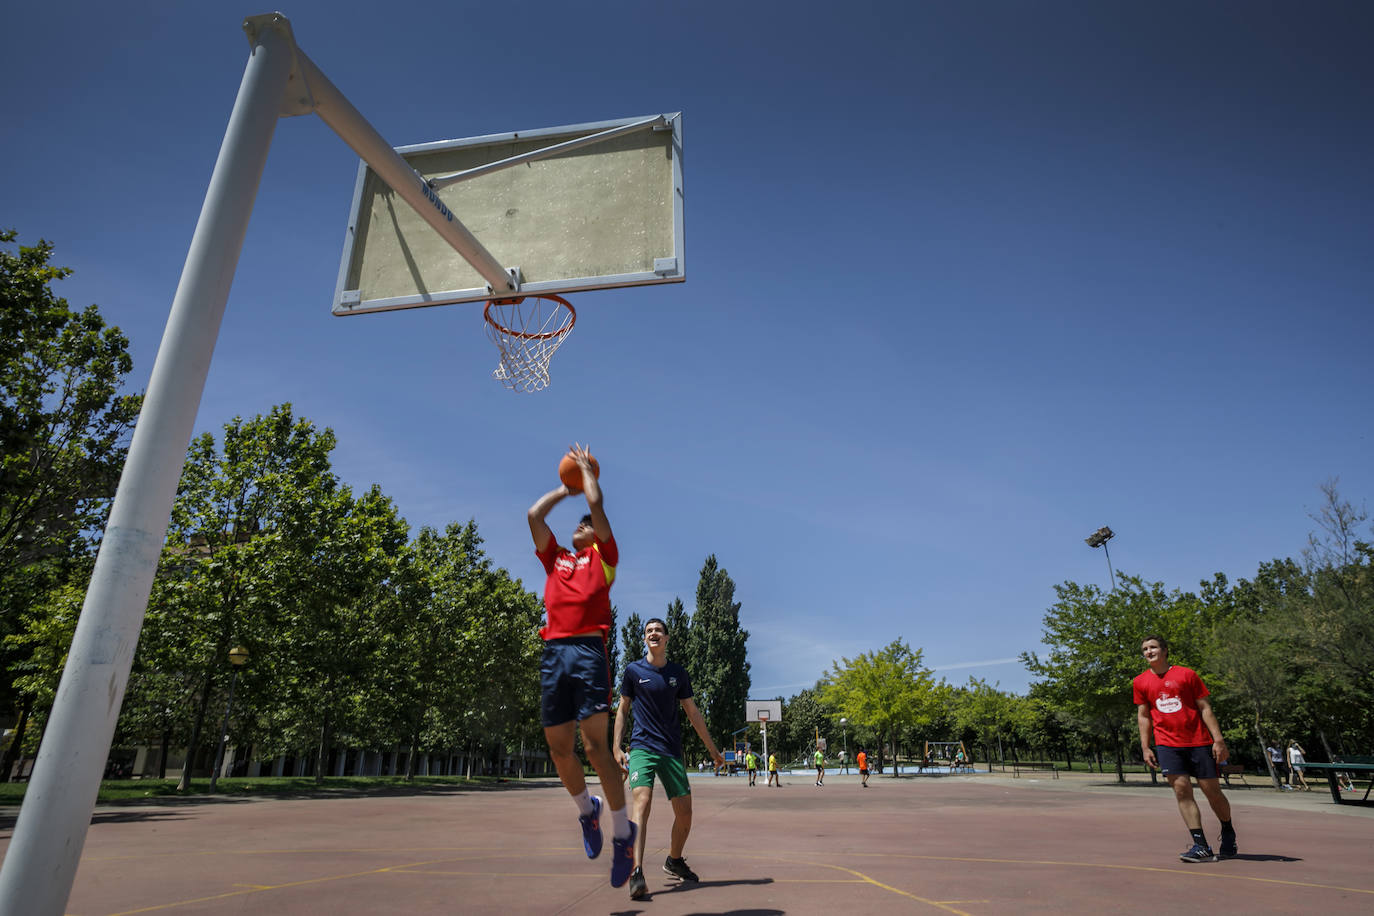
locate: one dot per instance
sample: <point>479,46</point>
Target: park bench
<point>1233,769</point>
<point>1018,765</point>
<point>1359,769</point>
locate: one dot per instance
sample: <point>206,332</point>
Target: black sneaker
<point>1227,849</point>
<point>1198,853</point>
<point>677,868</point>
<point>638,886</point>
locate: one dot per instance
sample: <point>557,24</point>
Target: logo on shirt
<point>1168,704</point>
<point>568,563</point>
<point>644,680</point>
<point>672,682</point>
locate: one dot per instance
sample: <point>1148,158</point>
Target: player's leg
<point>682,825</point>
<point>679,792</point>
<point>642,797</point>
<point>1182,784</point>
<point>1179,766</point>
<point>598,748</point>
<point>562,741</point>
<point>1221,805</point>
<point>643,765</point>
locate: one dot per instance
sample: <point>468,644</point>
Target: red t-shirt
<point>862,760</point>
<point>577,593</point>
<point>1172,699</point>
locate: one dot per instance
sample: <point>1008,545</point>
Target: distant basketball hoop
<point>763,715</point>
<point>527,330</point>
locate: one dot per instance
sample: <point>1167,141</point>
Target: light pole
<point>1099,538</point>
<point>844,731</point>
<point>237,657</point>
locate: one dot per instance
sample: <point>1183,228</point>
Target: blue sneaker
<point>623,858</point>
<point>1198,853</point>
<point>591,829</point>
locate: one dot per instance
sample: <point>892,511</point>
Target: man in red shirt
<point>574,671</point>
<point>1188,740</point>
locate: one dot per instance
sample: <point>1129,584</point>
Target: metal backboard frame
<point>603,215</point>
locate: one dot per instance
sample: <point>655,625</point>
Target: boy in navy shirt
<point>655,687</point>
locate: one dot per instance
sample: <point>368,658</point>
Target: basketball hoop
<point>527,330</point>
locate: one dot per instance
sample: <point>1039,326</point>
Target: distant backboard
<point>604,215</point>
<point>762,710</point>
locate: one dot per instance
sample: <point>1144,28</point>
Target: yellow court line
<point>859,877</point>
<point>284,852</point>
<point>273,887</point>
<point>887,887</point>
<point>1192,872</point>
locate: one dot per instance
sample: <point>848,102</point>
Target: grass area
<point>117,790</point>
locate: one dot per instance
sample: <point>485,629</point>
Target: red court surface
<point>977,845</point>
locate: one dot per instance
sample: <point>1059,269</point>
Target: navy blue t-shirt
<point>654,696</point>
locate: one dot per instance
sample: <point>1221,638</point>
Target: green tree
<point>632,641</point>
<point>718,654</point>
<point>319,654</point>
<point>64,431</point>
<point>63,425</point>
<point>1094,649</point>
<point>460,628</point>
<point>239,552</point>
<point>803,717</point>
<point>886,691</point>
<point>679,625</point>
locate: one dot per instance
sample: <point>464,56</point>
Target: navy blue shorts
<point>1187,761</point>
<point>574,679</point>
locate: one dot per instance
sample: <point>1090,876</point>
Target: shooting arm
<point>539,529</point>
<point>591,488</point>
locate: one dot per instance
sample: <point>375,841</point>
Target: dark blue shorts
<point>574,679</point>
<point>1187,761</point>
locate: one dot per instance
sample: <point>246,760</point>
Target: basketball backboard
<point>595,216</point>
<point>762,710</point>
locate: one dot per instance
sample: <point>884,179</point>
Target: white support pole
<point>372,148</point>
<point>41,862</point>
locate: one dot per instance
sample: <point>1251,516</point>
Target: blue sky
<point>965,281</point>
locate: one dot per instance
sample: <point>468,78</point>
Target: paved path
<point>977,845</point>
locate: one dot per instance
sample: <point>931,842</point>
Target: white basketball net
<point>528,331</point>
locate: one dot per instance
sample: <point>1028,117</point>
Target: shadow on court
<point>974,845</point>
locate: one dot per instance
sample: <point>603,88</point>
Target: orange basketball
<point>571,474</point>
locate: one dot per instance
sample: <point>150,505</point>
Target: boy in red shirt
<point>1173,700</point>
<point>574,672</point>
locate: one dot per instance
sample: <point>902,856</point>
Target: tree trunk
<point>411,755</point>
<point>1120,753</point>
<point>321,755</point>
<point>162,750</point>
<point>16,749</point>
<point>192,748</point>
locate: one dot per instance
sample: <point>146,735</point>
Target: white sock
<point>584,803</point>
<point>621,820</point>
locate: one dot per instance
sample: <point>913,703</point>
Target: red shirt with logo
<point>1172,698</point>
<point>577,593</point>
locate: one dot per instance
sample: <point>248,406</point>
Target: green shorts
<point>645,765</point>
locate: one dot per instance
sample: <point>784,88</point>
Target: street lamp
<point>238,656</point>
<point>1099,538</point>
<point>844,730</point>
